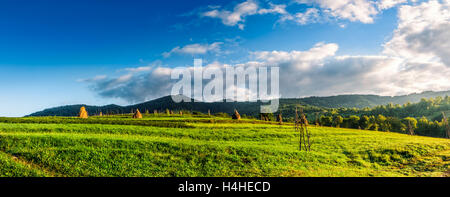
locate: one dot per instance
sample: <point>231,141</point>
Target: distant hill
<point>361,101</point>
<point>249,108</point>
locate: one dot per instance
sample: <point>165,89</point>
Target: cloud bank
<point>364,11</point>
<point>415,59</point>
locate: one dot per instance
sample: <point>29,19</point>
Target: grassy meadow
<point>202,146</point>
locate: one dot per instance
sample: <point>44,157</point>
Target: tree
<point>338,120</point>
<point>382,123</point>
<point>396,124</point>
<point>411,124</point>
<point>364,122</point>
<point>445,122</point>
<point>373,123</point>
<point>354,122</point>
<point>317,119</point>
<point>326,121</point>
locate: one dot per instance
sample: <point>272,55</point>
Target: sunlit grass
<point>208,146</point>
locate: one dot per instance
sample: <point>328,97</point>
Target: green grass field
<point>161,146</point>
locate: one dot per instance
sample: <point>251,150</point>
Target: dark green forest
<point>424,118</point>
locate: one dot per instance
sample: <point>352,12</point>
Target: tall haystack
<point>137,114</point>
<point>236,115</point>
<point>181,113</point>
<point>209,112</point>
<point>264,116</point>
<point>83,113</point>
<point>280,118</point>
<point>101,114</point>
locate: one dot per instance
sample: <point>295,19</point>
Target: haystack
<point>181,113</point>
<point>236,115</point>
<point>137,115</point>
<point>264,117</point>
<point>303,119</point>
<point>280,118</point>
<point>101,114</point>
<point>209,112</point>
<point>83,113</point>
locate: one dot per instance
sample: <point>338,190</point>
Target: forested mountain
<point>250,108</point>
<point>420,114</point>
<point>310,104</point>
<point>362,101</point>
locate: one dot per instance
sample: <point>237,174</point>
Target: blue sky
<point>56,52</point>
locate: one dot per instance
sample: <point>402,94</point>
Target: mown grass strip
<point>12,166</point>
<point>110,121</point>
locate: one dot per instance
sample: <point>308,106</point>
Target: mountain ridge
<point>166,102</point>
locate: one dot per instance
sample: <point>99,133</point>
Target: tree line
<point>424,118</point>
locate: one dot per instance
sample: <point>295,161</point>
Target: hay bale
<point>101,114</point>
<point>83,113</point>
<point>137,115</point>
<point>236,115</point>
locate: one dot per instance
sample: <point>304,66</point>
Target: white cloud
<point>194,49</point>
<point>232,18</point>
<point>147,68</point>
<point>140,69</point>
<point>278,9</point>
<point>314,72</point>
<point>363,11</point>
<point>135,87</point>
<point>96,78</point>
<point>319,72</point>
<point>423,33</point>
<point>241,11</point>
<point>301,60</point>
<point>310,16</point>
<point>386,4</point>
<point>123,78</point>
<point>353,10</point>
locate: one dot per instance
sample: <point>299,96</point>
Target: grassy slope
<point>207,147</point>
